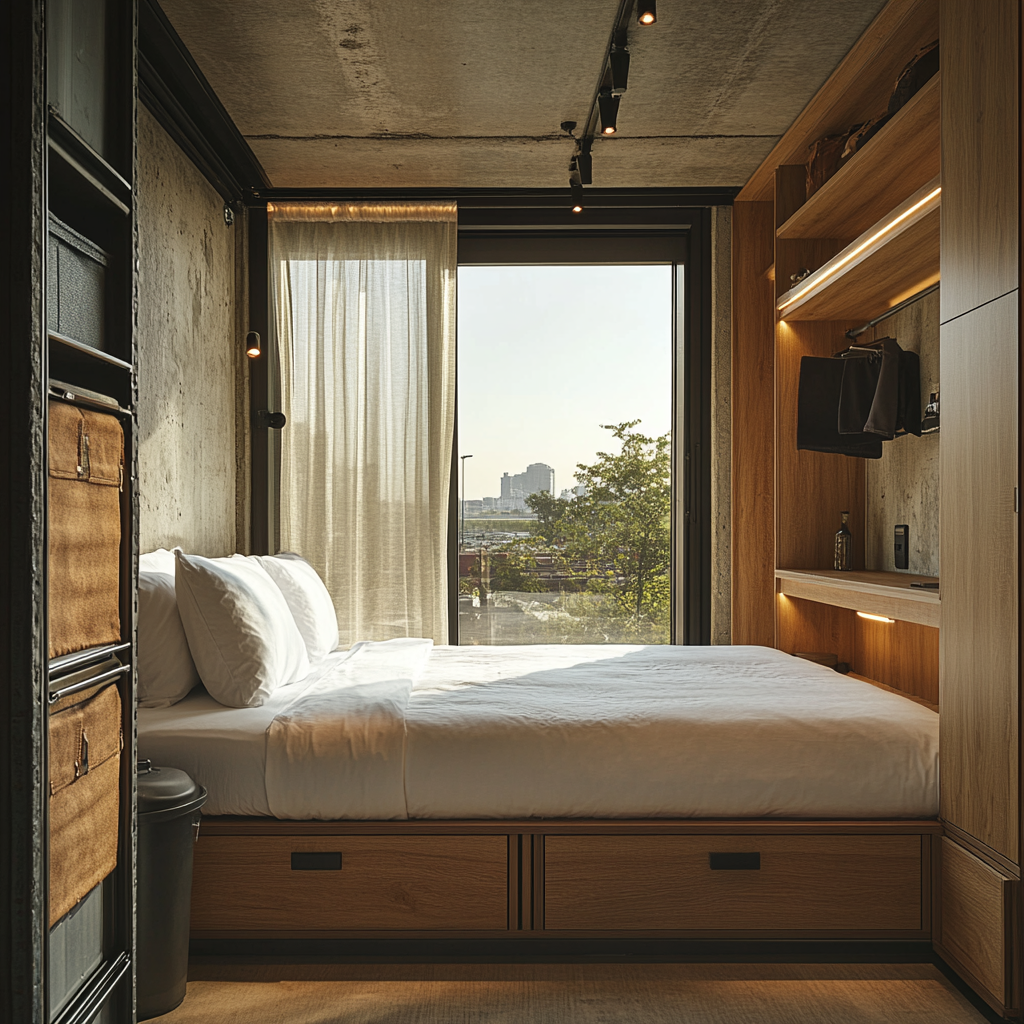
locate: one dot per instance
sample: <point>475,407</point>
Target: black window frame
<point>615,235</point>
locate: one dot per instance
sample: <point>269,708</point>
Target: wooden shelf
<point>904,156</point>
<point>878,269</point>
<point>878,593</point>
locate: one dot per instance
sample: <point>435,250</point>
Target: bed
<point>403,729</point>
<point>404,789</point>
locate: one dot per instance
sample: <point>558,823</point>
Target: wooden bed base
<point>260,878</point>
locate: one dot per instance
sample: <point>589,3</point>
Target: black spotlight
<point>646,12</point>
<point>618,60</point>
<point>576,191</point>
<point>609,107</point>
<point>585,166</point>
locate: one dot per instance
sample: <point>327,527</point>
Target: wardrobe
<point>932,198</point>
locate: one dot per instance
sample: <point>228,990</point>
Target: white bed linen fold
<point>338,750</point>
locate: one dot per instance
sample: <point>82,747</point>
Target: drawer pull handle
<point>735,861</point>
<point>316,862</point>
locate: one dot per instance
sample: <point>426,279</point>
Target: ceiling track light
<point>609,108</point>
<point>618,63</point>
<point>646,12</point>
<point>576,192</point>
<point>584,164</point>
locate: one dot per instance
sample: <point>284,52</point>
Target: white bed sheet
<point>223,749</point>
<point>559,731</point>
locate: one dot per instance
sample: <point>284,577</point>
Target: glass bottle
<point>844,545</point>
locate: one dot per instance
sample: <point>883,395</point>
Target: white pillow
<point>165,670</point>
<point>242,636</point>
<point>307,597</point>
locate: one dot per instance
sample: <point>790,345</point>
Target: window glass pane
<point>565,411</point>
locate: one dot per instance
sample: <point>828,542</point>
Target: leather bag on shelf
<point>863,135</point>
<point>826,157</point>
<point>923,65</point>
<point>85,771</point>
<point>86,455</point>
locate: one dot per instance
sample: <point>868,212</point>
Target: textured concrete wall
<point>188,358</point>
<point>721,425</point>
<point>903,485</point>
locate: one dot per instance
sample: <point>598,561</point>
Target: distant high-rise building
<point>538,477</point>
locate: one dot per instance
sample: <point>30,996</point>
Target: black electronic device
<point>901,547</point>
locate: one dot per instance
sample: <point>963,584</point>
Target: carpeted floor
<point>573,994</point>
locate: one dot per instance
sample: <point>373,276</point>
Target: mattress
<point>559,731</point>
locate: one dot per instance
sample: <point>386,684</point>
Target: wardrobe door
<point>980,147</point>
<point>978,682</point>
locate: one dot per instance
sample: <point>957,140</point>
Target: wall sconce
<point>253,346</point>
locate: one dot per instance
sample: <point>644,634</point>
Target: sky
<point>547,353</point>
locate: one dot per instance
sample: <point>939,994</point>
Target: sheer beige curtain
<point>364,313</point>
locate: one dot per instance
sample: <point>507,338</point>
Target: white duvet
<point>404,729</point>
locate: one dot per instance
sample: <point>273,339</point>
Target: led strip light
<point>854,253</point>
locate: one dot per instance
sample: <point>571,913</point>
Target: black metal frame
<point>46,162</point>
<point>22,511</point>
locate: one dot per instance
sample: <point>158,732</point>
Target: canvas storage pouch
<point>85,771</point>
<point>86,460</point>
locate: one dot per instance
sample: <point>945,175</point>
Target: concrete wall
<point>189,360</point>
<point>903,485</point>
<point>721,425</point>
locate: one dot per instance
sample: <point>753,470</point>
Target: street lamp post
<point>462,530</point>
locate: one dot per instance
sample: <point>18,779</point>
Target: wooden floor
<point>573,994</point>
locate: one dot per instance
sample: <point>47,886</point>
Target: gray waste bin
<point>168,815</point>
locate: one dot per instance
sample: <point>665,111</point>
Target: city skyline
<point>541,365</point>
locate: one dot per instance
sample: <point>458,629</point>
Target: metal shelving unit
<point>89,187</point>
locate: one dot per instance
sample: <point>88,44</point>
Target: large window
<point>565,454</point>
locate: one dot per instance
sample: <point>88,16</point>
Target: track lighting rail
<point>602,117</point>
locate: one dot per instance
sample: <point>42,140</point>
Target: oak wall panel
<point>753,430</point>
<point>980,147</point>
<point>978,660</point>
<point>904,655</point>
<point>811,627</point>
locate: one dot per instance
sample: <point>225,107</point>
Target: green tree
<point>621,527</point>
<point>511,572</point>
<point>549,511</point>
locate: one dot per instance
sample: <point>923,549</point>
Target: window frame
<point>611,237</point>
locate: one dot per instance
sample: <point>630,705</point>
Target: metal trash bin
<point>168,818</point>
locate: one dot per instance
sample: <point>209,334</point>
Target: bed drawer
<point>349,883</point>
<point>733,883</point>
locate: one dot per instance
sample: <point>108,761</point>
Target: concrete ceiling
<point>470,93</point>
